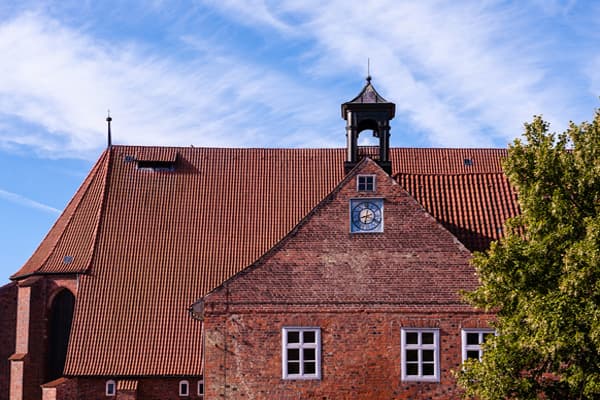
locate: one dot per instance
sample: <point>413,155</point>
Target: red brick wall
<point>148,389</point>
<point>361,355</point>
<point>8,320</point>
<point>360,289</point>
<point>33,326</point>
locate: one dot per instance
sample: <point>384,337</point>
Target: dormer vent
<point>162,166</point>
<point>152,159</point>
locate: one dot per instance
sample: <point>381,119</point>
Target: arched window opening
<point>111,388</point>
<point>184,388</point>
<point>59,329</point>
<point>368,139</point>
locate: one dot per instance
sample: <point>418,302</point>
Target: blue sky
<point>251,73</point>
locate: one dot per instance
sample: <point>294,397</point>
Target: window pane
<point>293,354</point>
<point>293,337</point>
<point>473,354</point>
<point>428,369</point>
<point>309,336</point>
<point>310,368</point>
<point>427,338</point>
<point>293,368</point>
<point>412,369</point>
<point>412,355</point>
<point>427,355</point>
<point>309,355</point>
<point>472,338</point>
<point>412,338</point>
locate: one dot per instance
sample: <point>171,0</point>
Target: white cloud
<point>63,81</point>
<point>26,202</point>
<point>463,73</point>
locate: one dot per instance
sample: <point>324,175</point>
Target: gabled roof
<point>150,243</point>
<point>414,260</point>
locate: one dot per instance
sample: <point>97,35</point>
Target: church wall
<point>29,333</point>
<point>8,320</point>
<point>361,354</point>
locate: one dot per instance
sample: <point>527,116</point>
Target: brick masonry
<point>148,389</point>
<point>8,319</point>
<point>359,289</point>
<point>34,299</point>
<point>361,355</point>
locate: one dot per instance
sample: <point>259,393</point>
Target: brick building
<point>259,273</point>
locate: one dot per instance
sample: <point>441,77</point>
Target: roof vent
<point>67,259</point>
<point>468,162</point>
<point>129,158</point>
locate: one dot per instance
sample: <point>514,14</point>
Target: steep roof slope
<point>151,242</point>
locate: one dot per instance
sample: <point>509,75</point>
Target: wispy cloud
<point>26,202</point>
<point>461,73</point>
<point>63,81</point>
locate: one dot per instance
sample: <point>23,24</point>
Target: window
<point>301,353</point>
<point>111,388</point>
<point>420,355</point>
<point>472,339</point>
<point>201,387</point>
<point>184,388</point>
<point>365,183</point>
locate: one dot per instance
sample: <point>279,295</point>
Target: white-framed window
<point>201,387</point>
<point>184,388</point>
<point>301,353</point>
<point>420,355</point>
<point>110,388</point>
<point>472,339</point>
<point>365,183</point>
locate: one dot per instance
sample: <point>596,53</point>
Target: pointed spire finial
<point>368,70</point>
<point>108,120</point>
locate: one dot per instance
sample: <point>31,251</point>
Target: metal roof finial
<point>108,120</point>
<point>368,70</point>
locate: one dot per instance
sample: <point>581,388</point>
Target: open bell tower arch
<point>368,111</point>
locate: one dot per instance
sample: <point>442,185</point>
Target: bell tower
<point>368,111</point>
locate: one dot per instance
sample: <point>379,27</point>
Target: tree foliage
<point>543,278</point>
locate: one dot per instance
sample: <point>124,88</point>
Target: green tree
<point>543,278</point>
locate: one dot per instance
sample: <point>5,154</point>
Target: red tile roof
<point>153,242</point>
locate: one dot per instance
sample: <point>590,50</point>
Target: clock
<point>366,215</point>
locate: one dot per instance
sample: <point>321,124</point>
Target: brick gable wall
<point>360,289</point>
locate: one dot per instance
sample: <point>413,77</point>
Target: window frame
<point>464,347</point>
<point>366,184</point>
<point>184,383</point>
<point>301,346</point>
<point>420,347</point>
<point>114,388</point>
<point>200,385</point>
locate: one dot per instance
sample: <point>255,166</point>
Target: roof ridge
<point>449,174</point>
<point>94,246</point>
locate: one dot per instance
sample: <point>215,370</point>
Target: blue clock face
<point>366,216</point>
